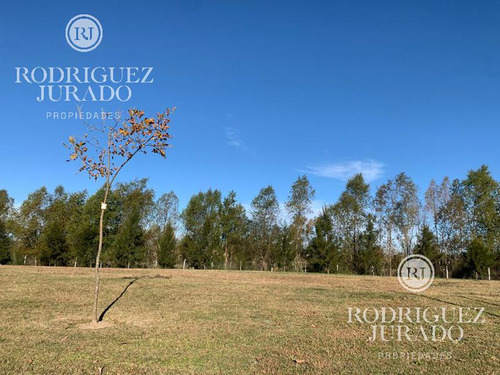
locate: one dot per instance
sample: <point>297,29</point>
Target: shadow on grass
<point>101,317</point>
<point>133,280</point>
<point>457,304</point>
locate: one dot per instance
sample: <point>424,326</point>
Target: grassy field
<point>217,322</point>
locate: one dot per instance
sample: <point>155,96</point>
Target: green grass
<point>216,322</point>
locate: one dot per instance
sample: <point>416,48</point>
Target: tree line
<point>455,223</point>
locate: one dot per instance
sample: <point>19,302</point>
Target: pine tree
<point>128,246</point>
<point>322,252</point>
<point>427,245</point>
<point>54,239</point>
<point>167,247</point>
<point>370,258</point>
<point>479,257</point>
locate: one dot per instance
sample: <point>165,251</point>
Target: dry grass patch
<point>217,322</point>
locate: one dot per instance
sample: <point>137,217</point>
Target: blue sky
<point>268,90</point>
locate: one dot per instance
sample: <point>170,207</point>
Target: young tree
<point>111,148</point>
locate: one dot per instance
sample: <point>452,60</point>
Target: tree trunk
<point>390,249</point>
<point>226,256</point>
<point>97,261</point>
<point>101,224</point>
